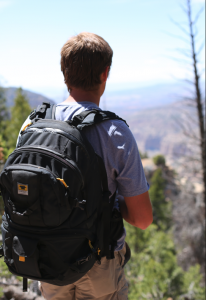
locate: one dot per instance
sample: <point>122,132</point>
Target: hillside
<point>34,98</point>
<point>145,97</point>
<point>155,124</point>
<point>159,130</point>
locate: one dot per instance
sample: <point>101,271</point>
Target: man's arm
<point>137,210</point>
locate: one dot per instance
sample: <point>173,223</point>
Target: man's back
<point>85,62</point>
<point>113,141</point>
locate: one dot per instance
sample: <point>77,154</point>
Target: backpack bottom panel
<point>54,259</point>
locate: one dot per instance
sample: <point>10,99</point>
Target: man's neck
<point>77,95</point>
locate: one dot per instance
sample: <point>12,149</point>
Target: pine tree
<point>19,113</point>
<point>153,271</point>
<point>4,115</point>
<point>161,208</point>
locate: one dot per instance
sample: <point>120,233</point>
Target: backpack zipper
<point>56,155</point>
<point>33,166</point>
<point>60,131</point>
<point>49,232</point>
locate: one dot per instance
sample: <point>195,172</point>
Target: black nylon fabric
<point>56,201</point>
<point>47,257</point>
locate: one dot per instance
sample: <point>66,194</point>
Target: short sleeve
<point>125,161</point>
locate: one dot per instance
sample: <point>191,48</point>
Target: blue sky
<point>33,32</point>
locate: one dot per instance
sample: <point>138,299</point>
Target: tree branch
<point>198,15</point>
<point>180,27</point>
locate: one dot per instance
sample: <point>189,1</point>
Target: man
<point>85,62</point>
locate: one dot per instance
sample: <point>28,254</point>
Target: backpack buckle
<point>76,120</point>
<point>79,204</point>
<point>32,114</point>
<point>111,252</point>
<point>84,259</point>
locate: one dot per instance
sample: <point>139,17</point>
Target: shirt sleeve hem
<point>134,193</point>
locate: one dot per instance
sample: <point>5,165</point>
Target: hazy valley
<point>153,113</point>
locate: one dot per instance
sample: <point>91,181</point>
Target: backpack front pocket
<point>25,255</point>
<point>7,245</point>
<point>33,196</point>
<point>21,253</point>
<point>65,259</point>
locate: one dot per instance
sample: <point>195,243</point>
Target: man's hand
<point>137,210</point>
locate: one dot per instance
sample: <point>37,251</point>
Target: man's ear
<point>104,75</point>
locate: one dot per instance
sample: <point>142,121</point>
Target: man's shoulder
<point>115,127</point>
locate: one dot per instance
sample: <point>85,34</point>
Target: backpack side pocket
<point>25,254</point>
<point>7,246</point>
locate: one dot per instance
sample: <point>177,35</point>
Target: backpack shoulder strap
<point>44,111</point>
<point>92,117</point>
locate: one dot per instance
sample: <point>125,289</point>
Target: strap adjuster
<point>48,104</point>
<point>84,259</point>
<point>79,204</point>
<point>32,114</point>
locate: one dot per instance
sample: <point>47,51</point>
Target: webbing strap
<point>92,117</point>
<point>25,284</point>
<point>44,111</point>
<point>107,207</point>
<point>1,251</point>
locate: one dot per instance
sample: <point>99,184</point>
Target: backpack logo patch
<point>22,189</point>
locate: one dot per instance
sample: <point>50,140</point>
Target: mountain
<point>145,97</point>
<point>155,119</point>
<point>34,98</point>
<point>160,129</point>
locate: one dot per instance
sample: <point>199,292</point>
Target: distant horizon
<point>143,96</point>
<point>57,92</point>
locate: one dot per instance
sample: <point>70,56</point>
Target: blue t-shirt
<point>114,142</point>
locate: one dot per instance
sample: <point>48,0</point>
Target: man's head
<point>83,60</point>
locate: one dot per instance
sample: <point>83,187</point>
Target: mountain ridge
<point>34,98</point>
<point>155,129</point>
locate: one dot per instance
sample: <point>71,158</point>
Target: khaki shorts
<point>103,282</point>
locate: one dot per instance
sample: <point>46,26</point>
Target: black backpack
<point>59,219</point>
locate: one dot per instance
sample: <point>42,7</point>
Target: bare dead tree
<point>197,101</point>
<point>198,98</point>
<point>188,206</point>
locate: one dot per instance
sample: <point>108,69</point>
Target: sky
<point>139,32</point>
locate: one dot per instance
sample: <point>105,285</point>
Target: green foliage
<point>143,155</point>
<point>161,208</point>
<point>4,269</point>
<point>3,114</point>
<point>192,286</point>
<point>159,160</point>
<point>3,108</point>
<point>19,113</point>
<point>3,155</point>
<point>3,150</point>
<point>153,272</point>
